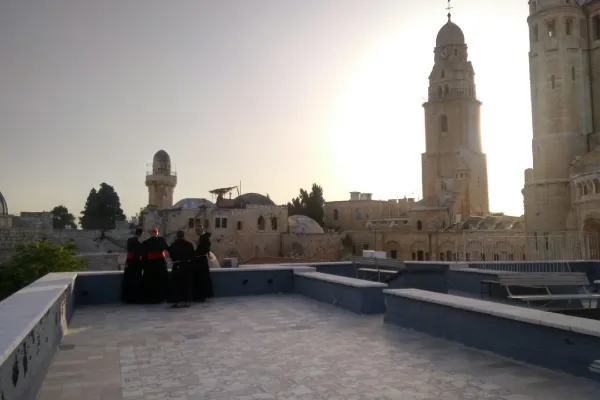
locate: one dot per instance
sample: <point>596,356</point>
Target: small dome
<point>303,224</point>
<point>3,206</point>
<point>193,203</point>
<point>255,198</point>
<point>450,34</point>
<point>161,163</point>
<point>161,156</point>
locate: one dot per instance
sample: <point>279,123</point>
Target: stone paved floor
<point>279,347</point>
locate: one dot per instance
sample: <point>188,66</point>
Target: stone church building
<point>453,221</point>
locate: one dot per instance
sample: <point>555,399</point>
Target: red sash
<point>155,255</point>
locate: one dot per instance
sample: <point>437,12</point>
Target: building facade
<point>561,191</point>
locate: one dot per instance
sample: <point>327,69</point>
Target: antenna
<point>449,8</point>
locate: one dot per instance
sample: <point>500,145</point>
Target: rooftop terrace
<point>278,347</point>
<point>298,332</point>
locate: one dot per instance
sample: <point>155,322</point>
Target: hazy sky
<point>276,93</point>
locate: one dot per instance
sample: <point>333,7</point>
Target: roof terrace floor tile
<point>279,347</point>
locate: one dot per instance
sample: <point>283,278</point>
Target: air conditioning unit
<point>229,263</point>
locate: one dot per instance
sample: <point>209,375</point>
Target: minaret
<point>560,106</point>
<point>453,160</point>
<point>161,181</point>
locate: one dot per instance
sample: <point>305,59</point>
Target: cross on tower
<point>449,8</point>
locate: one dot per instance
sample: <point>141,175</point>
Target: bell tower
<point>453,160</point>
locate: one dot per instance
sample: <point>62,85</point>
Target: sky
<point>275,94</point>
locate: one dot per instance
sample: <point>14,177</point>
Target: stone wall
<point>316,247</point>
<point>10,238</point>
<point>104,262</point>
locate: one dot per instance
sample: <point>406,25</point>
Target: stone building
<point>562,190</point>
<point>248,226</point>
<point>452,221</point>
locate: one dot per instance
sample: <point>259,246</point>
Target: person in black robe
<point>156,275</point>
<point>203,288</point>
<point>132,276</point>
<point>181,252</point>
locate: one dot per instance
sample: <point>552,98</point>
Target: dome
<point>3,206</point>
<point>161,163</point>
<point>450,34</point>
<point>161,156</point>
<point>193,203</point>
<point>255,198</point>
<point>303,224</point>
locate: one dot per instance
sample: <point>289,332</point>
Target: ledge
<point>302,268</point>
<point>19,316</point>
<point>32,323</point>
<point>521,314</point>
<point>342,280</point>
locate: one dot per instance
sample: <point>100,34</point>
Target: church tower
<point>560,106</point>
<point>161,181</point>
<point>453,160</point>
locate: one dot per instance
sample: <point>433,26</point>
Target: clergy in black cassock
<point>156,275</point>
<point>182,253</point>
<point>132,277</point>
<point>203,288</point>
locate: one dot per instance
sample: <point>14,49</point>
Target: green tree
<point>33,260</point>
<point>62,218</point>
<point>102,209</point>
<point>309,204</point>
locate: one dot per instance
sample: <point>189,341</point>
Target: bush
<point>32,261</point>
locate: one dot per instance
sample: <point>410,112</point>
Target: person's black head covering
<point>180,234</point>
<point>139,232</point>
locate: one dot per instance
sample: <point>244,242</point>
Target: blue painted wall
<point>242,282</point>
<point>548,347</point>
<point>348,269</point>
<point>361,300</point>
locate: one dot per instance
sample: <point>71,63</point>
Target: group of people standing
<point>146,278</point>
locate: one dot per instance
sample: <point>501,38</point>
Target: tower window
<point>534,33</point>
<point>573,73</point>
<point>551,26</point>
<point>446,90</point>
<point>443,74</point>
<point>443,123</point>
<point>596,26</point>
<point>440,92</point>
<point>553,80</point>
<point>569,26</point>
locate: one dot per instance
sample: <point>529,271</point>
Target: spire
<point>449,8</point>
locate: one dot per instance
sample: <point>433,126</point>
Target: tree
<point>309,204</point>
<point>102,209</point>
<point>33,260</point>
<point>62,218</point>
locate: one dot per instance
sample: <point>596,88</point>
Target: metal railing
<point>552,252</point>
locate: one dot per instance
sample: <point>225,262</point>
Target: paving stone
<point>279,347</point>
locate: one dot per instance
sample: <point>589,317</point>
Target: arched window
<point>440,93</point>
<point>273,223</point>
<point>261,223</point>
<point>443,74</point>
<point>358,214</point>
<point>419,225</point>
<point>443,123</point>
<point>336,215</point>
<point>446,90</point>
